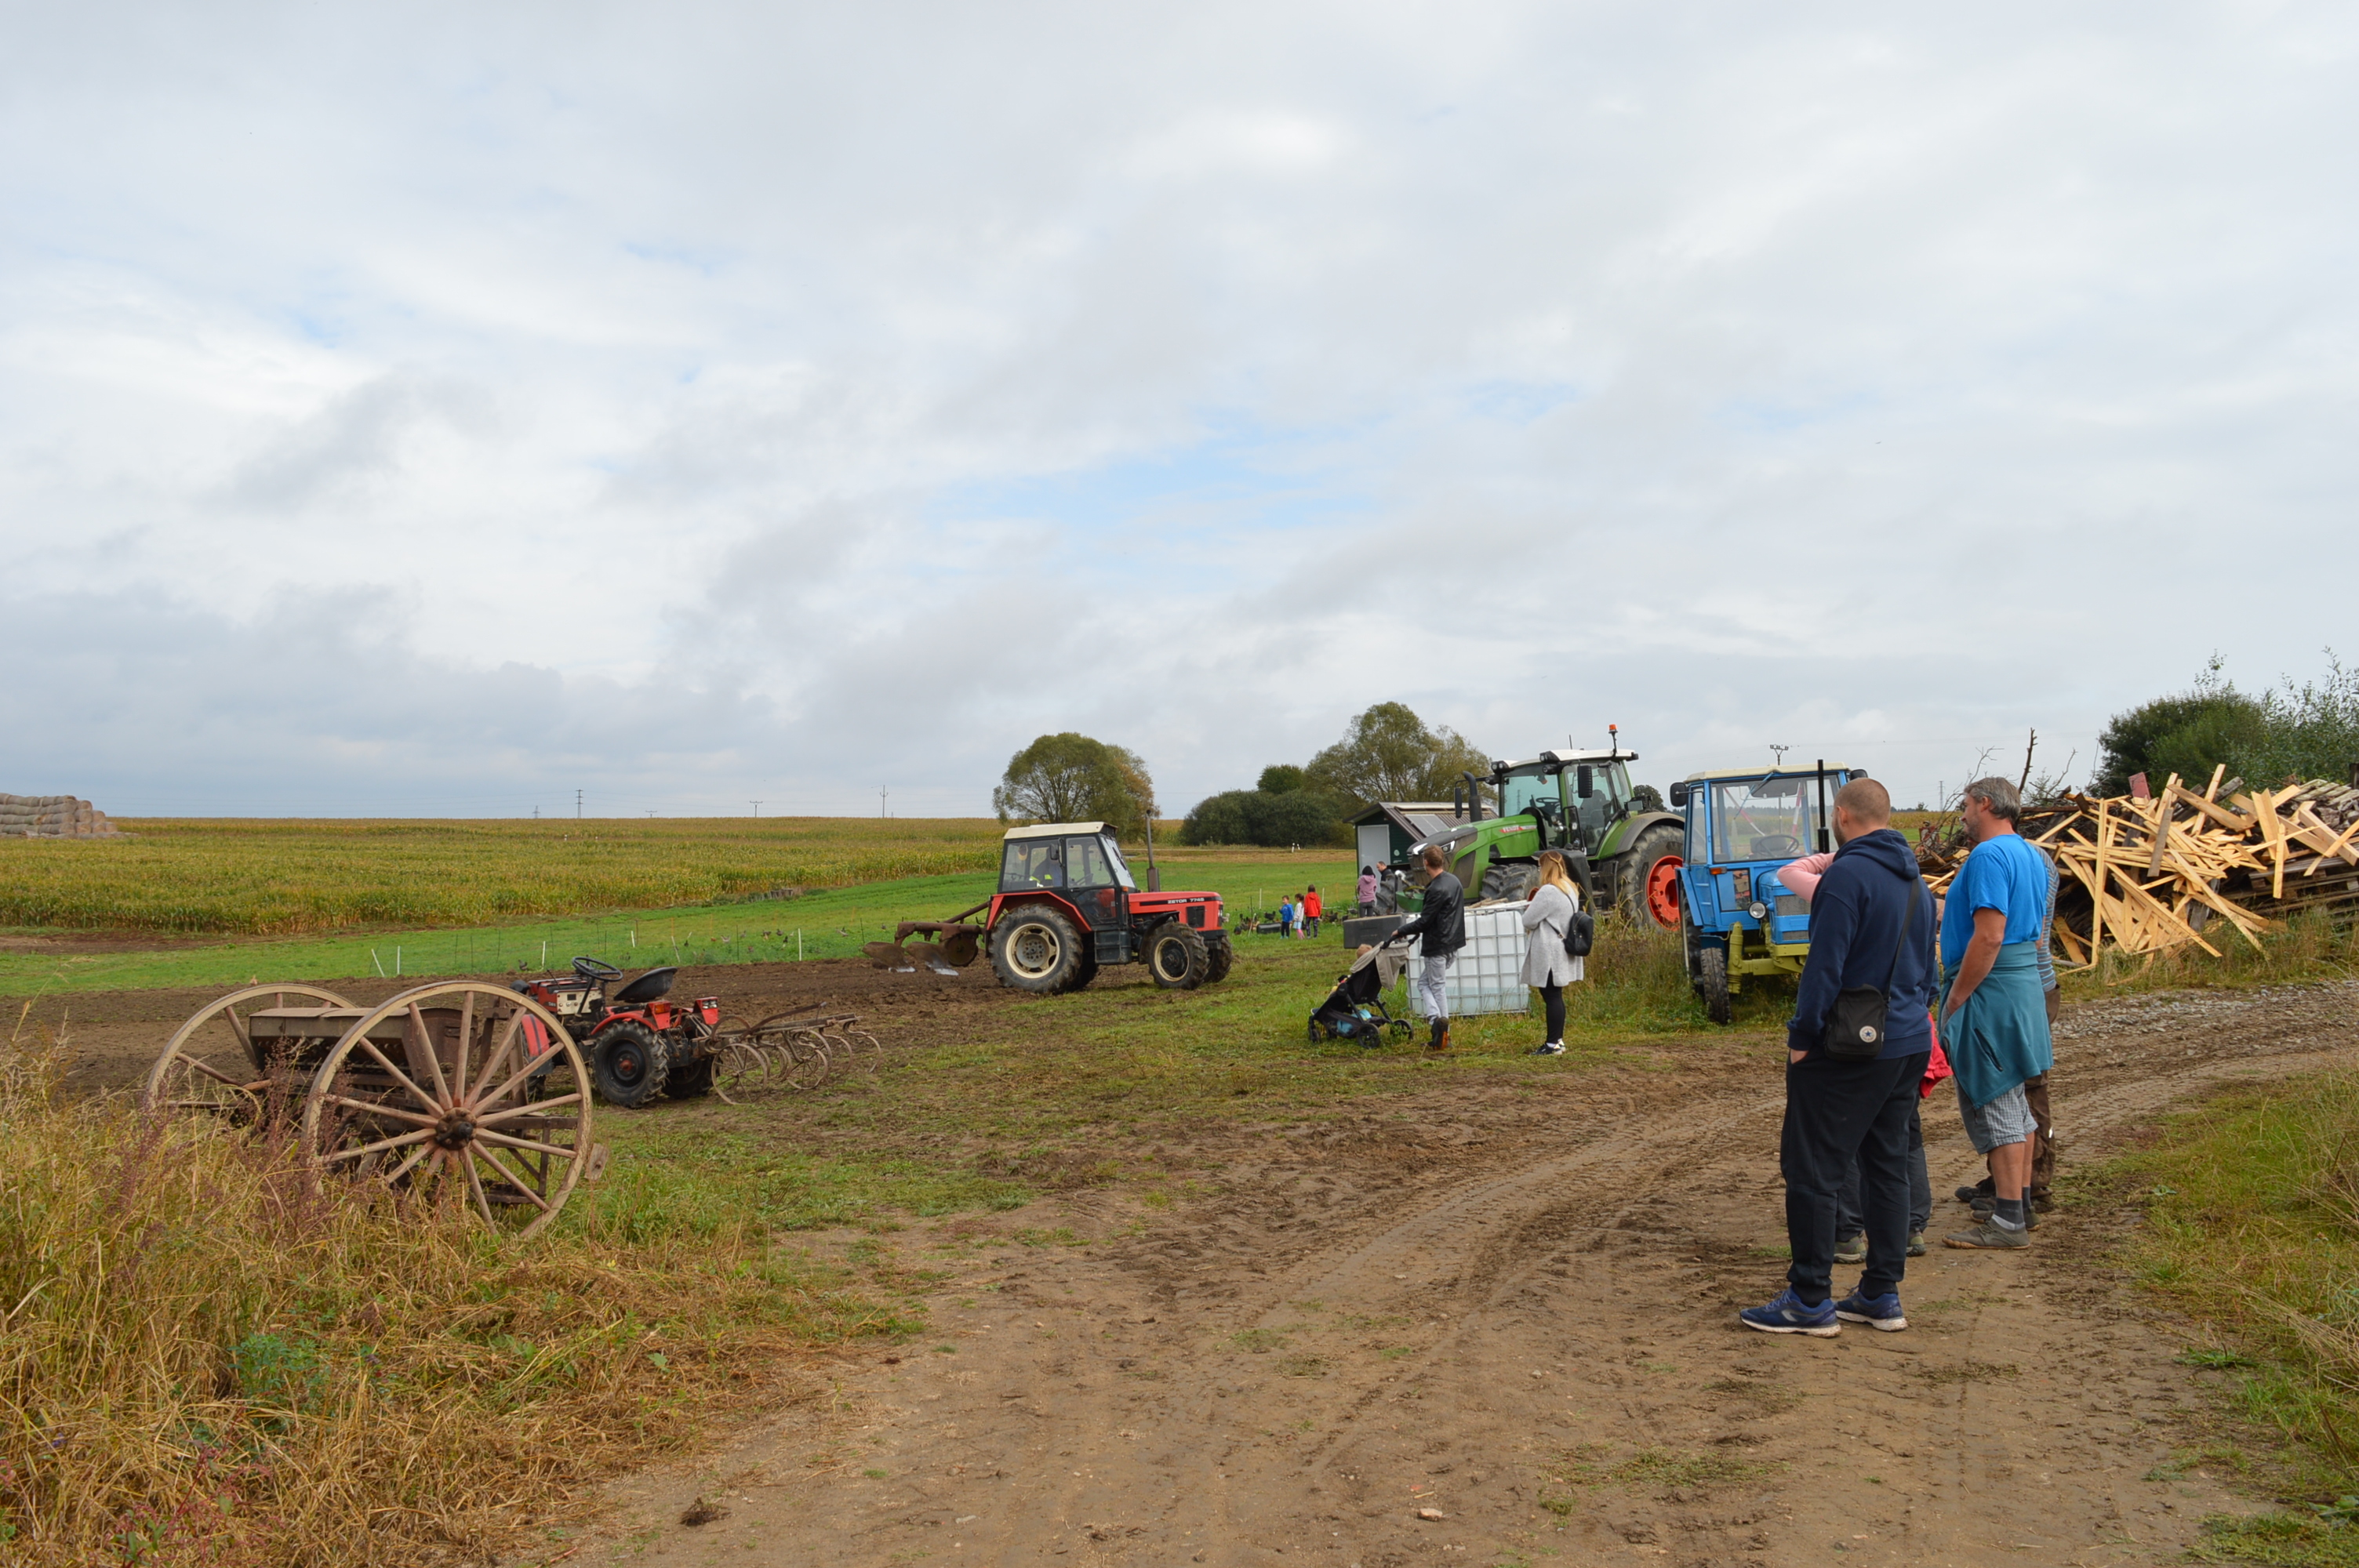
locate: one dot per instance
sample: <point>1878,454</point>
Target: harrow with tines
<point>785,1050</point>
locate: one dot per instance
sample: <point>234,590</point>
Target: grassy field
<point>233,877</point>
<point>828,925</point>
<point>2252,1228</point>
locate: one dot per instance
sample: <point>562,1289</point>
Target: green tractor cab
<point>1737,917</point>
<point>1623,855</point>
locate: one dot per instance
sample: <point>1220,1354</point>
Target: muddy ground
<point>1491,1324</point>
<point>1513,1308</point>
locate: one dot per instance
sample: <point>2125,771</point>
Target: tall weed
<point>204,1359</point>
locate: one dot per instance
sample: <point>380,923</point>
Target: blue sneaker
<point>1790,1315</point>
<point>1880,1313</point>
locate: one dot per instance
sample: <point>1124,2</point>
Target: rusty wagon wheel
<point>211,1063</point>
<point>461,1091</point>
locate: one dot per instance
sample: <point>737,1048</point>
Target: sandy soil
<point>1513,1309</point>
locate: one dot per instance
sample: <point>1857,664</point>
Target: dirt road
<point>1498,1327</point>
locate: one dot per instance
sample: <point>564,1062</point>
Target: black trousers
<point>1849,1222</point>
<point>1552,1000</point>
<point>1838,1114</point>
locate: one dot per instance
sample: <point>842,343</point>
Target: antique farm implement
<point>460,1089</point>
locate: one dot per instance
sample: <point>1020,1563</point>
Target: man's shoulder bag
<point>1856,1023</point>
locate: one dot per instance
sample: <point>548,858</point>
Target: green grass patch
<point>2252,1228</point>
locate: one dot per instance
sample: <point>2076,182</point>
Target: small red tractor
<point>1067,904</point>
<point>638,1046</point>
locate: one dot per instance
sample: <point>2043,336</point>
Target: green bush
<point>2309,731</point>
<point>1259,816</point>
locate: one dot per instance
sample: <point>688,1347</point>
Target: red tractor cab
<point>1068,903</point>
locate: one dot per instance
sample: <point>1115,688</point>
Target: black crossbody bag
<point>1856,1023</point>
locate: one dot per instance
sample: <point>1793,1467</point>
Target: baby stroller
<point>1354,1009</point>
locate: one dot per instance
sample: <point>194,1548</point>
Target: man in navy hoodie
<point>1871,925</point>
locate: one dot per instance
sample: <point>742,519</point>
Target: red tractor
<point>1067,904</point>
<point>637,1045</point>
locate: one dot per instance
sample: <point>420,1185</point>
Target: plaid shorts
<point>2005,1120</point>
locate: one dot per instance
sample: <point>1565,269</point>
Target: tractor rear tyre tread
<point>1633,869</point>
<point>628,1062</point>
<point>1036,948</point>
<point>1176,958</point>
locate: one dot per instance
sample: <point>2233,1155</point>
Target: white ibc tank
<point>1487,976</point>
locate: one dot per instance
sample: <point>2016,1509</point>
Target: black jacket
<point>1855,919</point>
<point>1443,923</point>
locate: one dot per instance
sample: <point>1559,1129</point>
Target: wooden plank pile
<point>2151,874</point>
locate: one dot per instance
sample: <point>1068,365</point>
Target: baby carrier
<point>1354,1009</point>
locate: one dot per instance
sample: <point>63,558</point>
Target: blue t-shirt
<point>2006,872</point>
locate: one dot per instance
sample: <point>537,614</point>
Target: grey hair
<point>1998,798</point>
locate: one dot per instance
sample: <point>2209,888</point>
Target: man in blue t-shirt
<point>1994,1016</point>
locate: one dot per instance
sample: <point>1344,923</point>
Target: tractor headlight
<point>1758,910</point>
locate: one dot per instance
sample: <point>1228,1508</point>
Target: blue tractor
<point>1742,826</point>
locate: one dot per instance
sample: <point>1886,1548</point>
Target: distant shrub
<point>1259,816</point>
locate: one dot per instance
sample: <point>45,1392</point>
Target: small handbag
<point>1855,1023</point>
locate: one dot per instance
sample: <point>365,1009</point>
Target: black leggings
<point>1552,997</point>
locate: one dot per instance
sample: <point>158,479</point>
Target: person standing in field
<point>2038,1192</point>
<point>1442,923</point>
<point>1994,1012</point>
<point>1855,1051</point>
<point>1547,965</point>
<point>1367,890</point>
<point>1312,909</point>
<point>1285,914</point>
<point>1801,878</point>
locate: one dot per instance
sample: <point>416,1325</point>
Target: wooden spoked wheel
<point>211,1063</point>
<point>462,1091</point>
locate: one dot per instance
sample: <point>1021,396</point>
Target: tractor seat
<point>647,987</point>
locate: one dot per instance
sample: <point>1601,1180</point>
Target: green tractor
<point>1623,850</point>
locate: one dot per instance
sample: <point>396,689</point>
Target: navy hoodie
<point>1855,921</point>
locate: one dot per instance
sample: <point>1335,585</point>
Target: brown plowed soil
<point>1513,1307</point>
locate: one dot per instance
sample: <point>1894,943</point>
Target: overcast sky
<point>418,411</point>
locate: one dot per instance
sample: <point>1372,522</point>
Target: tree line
<point>2290,731</point>
<point>1386,753</point>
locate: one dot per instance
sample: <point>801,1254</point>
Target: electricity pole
<point>757,809</point>
<point>881,792</point>
<point>576,805</point>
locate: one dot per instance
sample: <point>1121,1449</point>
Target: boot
<point>1439,1039</point>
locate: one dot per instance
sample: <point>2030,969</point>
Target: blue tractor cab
<point>1742,826</point>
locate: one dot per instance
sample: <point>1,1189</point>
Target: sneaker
<point>1852,1250</point>
<point>1790,1315</point>
<point>1983,1212</point>
<point>1552,1048</point>
<point>1882,1314</point>
<point>1971,1196</point>
<point>1916,1247</point>
<point>1990,1233</point>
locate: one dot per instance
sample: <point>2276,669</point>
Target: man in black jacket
<point>1871,926</point>
<point>1442,923</point>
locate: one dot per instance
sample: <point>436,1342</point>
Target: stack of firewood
<point>2150,874</point>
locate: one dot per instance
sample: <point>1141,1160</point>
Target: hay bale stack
<point>52,817</point>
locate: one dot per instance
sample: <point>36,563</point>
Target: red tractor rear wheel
<point>1036,948</point>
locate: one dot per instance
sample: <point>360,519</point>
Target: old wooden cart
<point>462,1090</point>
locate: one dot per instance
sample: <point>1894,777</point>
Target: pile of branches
<point>2148,874</point>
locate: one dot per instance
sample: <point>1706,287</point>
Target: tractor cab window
<point>1761,819</point>
<point>1608,801</point>
<point>1520,789</point>
<point>1120,866</point>
<point>1032,863</point>
<point>1085,864</point>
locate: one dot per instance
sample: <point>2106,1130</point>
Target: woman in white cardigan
<point>1546,963</point>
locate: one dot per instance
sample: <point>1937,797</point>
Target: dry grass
<point>205,1361</point>
<point>293,877</point>
<point>2317,945</point>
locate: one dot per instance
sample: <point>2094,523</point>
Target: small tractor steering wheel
<point>591,970</point>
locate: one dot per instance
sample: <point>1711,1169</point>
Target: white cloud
<point>805,400</point>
